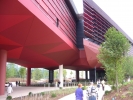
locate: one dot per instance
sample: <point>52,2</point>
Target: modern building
<point>50,34</point>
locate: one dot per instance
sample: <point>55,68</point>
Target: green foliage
<point>37,74</point>
<point>11,71</point>
<point>30,94</point>
<point>53,95</point>
<point>60,87</point>
<point>9,98</point>
<point>71,73</point>
<point>46,74</point>
<point>113,87</point>
<point>107,92</point>
<point>22,72</point>
<point>64,73</point>
<point>128,66</point>
<point>56,74</point>
<point>112,54</point>
<point>84,88</point>
<point>123,96</point>
<point>42,93</point>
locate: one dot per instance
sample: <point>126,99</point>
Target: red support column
<point>3,59</point>
<point>28,76</point>
<point>77,75</point>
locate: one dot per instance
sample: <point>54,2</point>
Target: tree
<point>71,73</point>
<point>37,74</point>
<point>56,74</point>
<point>22,72</point>
<point>64,73</point>
<point>112,53</point>
<point>11,71</point>
<point>46,74</point>
<point>82,74</point>
<point>7,72</point>
<point>128,66</point>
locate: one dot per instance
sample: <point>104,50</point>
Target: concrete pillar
<point>3,59</point>
<point>61,75</point>
<point>51,76</point>
<point>28,76</point>
<point>86,75</point>
<point>77,75</point>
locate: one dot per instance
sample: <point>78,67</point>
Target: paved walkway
<point>72,96</point>
<point>23,91</point>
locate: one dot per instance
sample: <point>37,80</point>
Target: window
<point>57,22</point>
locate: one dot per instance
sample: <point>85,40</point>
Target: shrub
<point>42,93</point>
<point>30,93</point>
<point>107,92</point>
<point>60,87</point>
<point>113,87</point>
<point>9,98</point>
<point>84,88</point>
<point>53,95</point>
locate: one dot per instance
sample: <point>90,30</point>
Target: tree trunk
<point>116,80</point>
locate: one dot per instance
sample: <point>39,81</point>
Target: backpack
<point>98,85</point>
<point>93,90</point>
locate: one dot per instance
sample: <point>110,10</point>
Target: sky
<point>120,11</point>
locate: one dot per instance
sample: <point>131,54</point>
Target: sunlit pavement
<point>23,91</point>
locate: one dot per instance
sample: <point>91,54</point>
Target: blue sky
<point>121,11</point>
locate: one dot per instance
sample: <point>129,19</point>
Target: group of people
<point>94,92</point>
<point>17,83</point>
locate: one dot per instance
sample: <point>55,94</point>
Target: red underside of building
<point>32,39</point>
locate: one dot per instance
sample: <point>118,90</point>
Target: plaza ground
<point>23,91</point>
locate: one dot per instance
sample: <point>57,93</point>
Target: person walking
<point>101,90</point>
<point>9,89</point>
<point>79,92</point>
<point>92,92</point>
<point>16,83</point>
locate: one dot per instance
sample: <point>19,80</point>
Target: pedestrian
<point>58,83</point>
<point>79,92</point>
<point>16,83</point>
<point>19,83</point>
<point>9,89</point>
<point>101,90</point>
<point>92,92</point>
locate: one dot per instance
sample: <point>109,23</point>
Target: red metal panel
<point>67,10</point>
<point>66,16</point>
<point>64,20</point>
<point>54,12</point>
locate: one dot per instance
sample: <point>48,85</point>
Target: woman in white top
<point>9,89</point>
<point>101,90</point>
